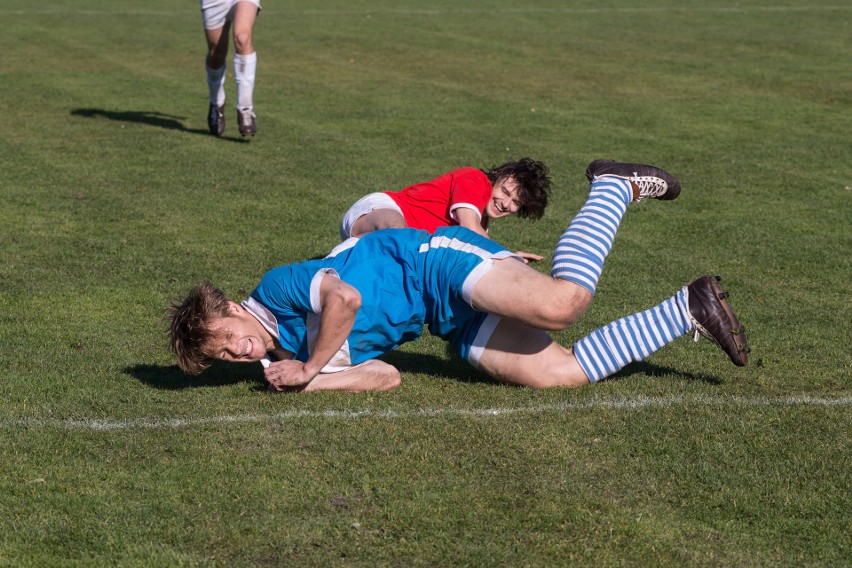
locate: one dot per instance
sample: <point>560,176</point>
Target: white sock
<point>216,84</point>
<point>244,70</point>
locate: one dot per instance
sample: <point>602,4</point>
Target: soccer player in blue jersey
<point>326,321</point>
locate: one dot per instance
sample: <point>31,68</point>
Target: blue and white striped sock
<point>585,244</point>
<point>610,348</point>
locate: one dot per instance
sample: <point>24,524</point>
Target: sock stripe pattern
<point>585,244</point>
<point>610,348</point>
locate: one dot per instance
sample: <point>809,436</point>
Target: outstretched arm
<point>470,220</point>
<point>372,375</point>
<point>340,303</point>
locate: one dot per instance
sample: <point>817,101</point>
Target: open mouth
<point>249,345</point>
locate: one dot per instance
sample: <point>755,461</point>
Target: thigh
<point>217,39</point>
<point>520,355</point>
<point>515,290</point>
<point>378,219</point>
<point>244,15</point>
<point>368,204</point>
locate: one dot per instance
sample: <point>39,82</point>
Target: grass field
<point>115,199</point>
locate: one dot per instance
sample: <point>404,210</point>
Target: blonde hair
<point>191,330</point>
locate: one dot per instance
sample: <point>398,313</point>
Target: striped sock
<point>610,348</point>
<point>585,244</point>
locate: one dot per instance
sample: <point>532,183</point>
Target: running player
<point>219,16</point>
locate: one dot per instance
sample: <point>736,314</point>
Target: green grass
<point>115,200</point>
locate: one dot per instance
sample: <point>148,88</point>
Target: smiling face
<point>504,199</point>
<point>239,338</point>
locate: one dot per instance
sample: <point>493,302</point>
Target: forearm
<point>371,375</point>
<point>469,219</point>
<point>336,321</point>
<point>477,228</point>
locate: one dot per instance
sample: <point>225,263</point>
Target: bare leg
<point>217,46</point>
<point>514,290</point>
<point>520,355</point>
<point>245,14</point>
<point>378,219</point>
<point>217,51</point>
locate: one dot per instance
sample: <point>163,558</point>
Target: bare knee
<point>242,42</point>
<point>564,307</point>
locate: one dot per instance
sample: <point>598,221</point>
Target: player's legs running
<point>245,65</point>
<point>214,64</point>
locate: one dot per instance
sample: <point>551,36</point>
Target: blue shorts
<point>456,259</point>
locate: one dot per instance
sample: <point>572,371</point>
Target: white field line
<point>108,424</point>
<point>444,11</point>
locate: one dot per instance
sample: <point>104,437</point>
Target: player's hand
<point>287,375</point>
<point>528,256</point>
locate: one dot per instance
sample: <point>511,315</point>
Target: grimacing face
<point>238,339</point>
<point>504,199</point>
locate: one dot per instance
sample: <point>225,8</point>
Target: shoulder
<point>467,173</point>
<point>290,278</point>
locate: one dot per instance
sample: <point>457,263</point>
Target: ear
<point>234,308</point>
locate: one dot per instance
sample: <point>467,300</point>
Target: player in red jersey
<point>468,197</point>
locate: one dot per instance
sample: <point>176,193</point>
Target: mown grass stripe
<point>108,424</point>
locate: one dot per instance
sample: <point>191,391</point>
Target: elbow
<point>391,381</point>
<point>350,299</point>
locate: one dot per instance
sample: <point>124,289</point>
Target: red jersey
<point>431,204</point>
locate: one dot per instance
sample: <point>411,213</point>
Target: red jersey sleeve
<point>470,188</point>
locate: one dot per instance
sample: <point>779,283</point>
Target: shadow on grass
<point>220,373</point>
<point>149,118</point>
<point>645,368</point>
<point>451,368</point>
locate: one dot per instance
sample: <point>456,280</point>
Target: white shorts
<point>216,13</point>
<point>364,206</point>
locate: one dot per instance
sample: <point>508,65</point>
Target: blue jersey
<point>406,278</point>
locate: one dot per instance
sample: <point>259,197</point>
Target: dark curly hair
<point>191,322</point>
<point>533,184</point>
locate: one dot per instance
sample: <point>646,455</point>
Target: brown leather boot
<point>713,318</point>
